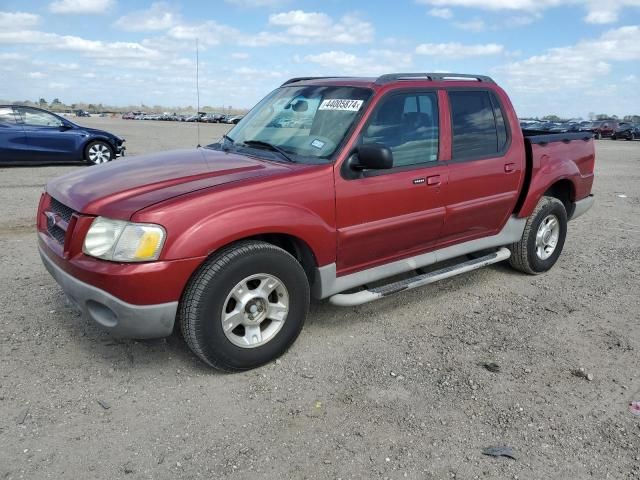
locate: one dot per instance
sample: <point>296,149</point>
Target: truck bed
<point>541,137</point>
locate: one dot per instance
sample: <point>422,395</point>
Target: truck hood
<point>119,189</point>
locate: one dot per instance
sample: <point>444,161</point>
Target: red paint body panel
<point>119,189</point>
<point>299,202</point>
<point>574,161</point>
<point>207,199</point>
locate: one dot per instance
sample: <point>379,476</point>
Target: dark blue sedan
<point>31,135</point>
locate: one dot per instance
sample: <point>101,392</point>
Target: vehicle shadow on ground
<point>107,351</point>
<point>324,321</point>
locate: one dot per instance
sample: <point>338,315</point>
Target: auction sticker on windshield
<point>341,104</point>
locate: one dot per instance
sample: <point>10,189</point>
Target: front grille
<point>54,228</point>
<point>62,210</point>
<point>57,233</point>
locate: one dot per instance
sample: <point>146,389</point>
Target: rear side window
<point>501,126</point>
<point>6,116</point>
<point>479,128</point>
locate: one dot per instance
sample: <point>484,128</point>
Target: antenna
<point>197,95</point>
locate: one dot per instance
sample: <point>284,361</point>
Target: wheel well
<point>296,247</point>
<point>564,191</point>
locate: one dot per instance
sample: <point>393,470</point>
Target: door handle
<point>433,180</point>
<point>509,167</point>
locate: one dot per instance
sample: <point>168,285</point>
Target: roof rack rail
<point>302,79</point>
<point>390,77</point>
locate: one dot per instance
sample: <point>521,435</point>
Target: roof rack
<point>390,77</point>
<point>302,79</point>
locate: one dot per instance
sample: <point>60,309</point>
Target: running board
<point>369,295</point>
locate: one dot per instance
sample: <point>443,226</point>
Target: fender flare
<point>543,179</point>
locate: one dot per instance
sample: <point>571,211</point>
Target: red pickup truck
<point>329,187</point>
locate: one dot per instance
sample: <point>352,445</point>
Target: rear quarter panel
<point>552,162</point>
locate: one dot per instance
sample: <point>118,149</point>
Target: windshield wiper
<point>228,138</point>
<point>270,146</point>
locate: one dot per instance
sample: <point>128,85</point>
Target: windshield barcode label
<point>341,104</point>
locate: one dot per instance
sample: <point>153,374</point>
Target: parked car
<point>209,118</point>
<point>82,113</point>
<point>129,116</point>
<point>235,119</point>
<point>626,130</point>
<point>231,240</point>
<point>601,128</point>
<point>198,117</point>
<point>31,135</point>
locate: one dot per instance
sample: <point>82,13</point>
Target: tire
<point>526,254</point>
<point>598,136</point>
<point>241,271</point>
<point>98,152</point>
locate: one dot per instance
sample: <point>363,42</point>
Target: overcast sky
<point>568,57</point>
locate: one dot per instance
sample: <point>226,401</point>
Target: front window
<point>304,124</point>
<point>407,124</point>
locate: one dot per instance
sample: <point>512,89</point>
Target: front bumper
<point>118,317</point>
<point>120,150</point>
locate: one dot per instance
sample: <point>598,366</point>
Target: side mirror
<point>373,156</point>
<point>65,126</point>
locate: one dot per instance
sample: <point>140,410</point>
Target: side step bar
<point>364,296</point>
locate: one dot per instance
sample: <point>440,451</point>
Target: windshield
<point>305,124</point>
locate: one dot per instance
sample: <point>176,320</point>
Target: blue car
<point>31,135</point>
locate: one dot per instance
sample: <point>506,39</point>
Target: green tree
<point>42,102</point>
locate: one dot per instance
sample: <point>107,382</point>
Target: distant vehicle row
<point>203,117</point>
<point>600,128</point>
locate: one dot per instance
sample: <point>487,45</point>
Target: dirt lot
<point>391,389</point>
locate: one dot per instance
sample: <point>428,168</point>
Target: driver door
<point>386,215</point>
<point>48,139</point>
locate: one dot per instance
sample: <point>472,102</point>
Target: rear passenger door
<point>12,138</point>
<point>485,174</point>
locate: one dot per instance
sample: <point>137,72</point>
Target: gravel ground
<point>392,389</point>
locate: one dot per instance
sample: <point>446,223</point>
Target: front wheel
<point>98,152</point>
<point>245,306</point>
<point>543,238</point>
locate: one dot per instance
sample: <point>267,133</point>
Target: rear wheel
<point>543,238</point>
<point>245,306</point>
<point>98,152</point>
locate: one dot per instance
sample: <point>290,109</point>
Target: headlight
<point>122,241</point>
